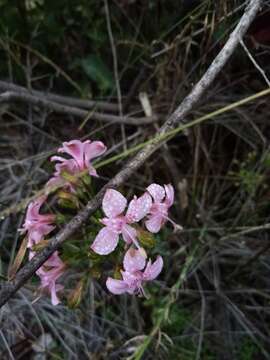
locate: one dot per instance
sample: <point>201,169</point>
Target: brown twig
<point>11,96</point>
<point>65,100</point>
<point>7,289</point>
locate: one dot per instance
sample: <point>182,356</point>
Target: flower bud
<point>117,273</point>
<point>66,204</point>
<point>86,179</point>
<point>69,177</point>
<point>65,195</point>
<point>60,219</point>
<point>146,238</point>
<point>40,245</point>
<point>81,193</point>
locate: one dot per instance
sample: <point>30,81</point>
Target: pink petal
<point>157,192</point>
<point>116,286</point>
<point>69,165</point>
<point>133,280</point>
<point>54,181</point>
<point>34,208</point>
<point>55,261</point>
<point>153,270</point>
<point>37,234</point>
<point>93,149</point>
<point>54,298</point>
<point>31,255</point>
<point>169,194</point>
<point>139,208</point>
<point>34,237</point>
<point>113,203</point>
<point>105,242</point>
<point>133,260</point>
<point>130,235</point>
<point>33,218</point>
<point>154,223</point>
<point>58,158</point>
<point>75,148</point>
<point>92,171</point>
<point>49,276</point>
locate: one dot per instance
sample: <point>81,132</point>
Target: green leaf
<point>97,71</point>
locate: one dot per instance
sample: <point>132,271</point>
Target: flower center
<point>160,208</point>
<point>116,224</point>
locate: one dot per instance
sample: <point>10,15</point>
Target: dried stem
<point>12,96</point>
<point>65,100</point>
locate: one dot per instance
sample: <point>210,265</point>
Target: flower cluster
<point>133,276</point>
<point>37,226</point>
<point>152,205</point>
<point>82,153</point>
<point>123,221</point>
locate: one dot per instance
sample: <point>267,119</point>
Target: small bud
<point>80,193</point>
<point>146,238</point>
<point>69,177</point>
<point>60,219</point>
<point>86,179</point>
<point>67,204</point>
<point>75,297</point>
<point>117,273</point>
<point>40,245</point>
<point>65,195</point>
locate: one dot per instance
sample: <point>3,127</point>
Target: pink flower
<point>82,153</point>
<point>133,275</point>
<point>116,223</point>
<point>49,273</point>
<point>67,165</point>
<point>37,225</point>
<point>163,199</point>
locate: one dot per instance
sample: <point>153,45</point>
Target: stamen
<point>133,240</point>
<point>176,227</point>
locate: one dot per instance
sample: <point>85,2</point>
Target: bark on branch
<point>65,100</point>
<point>42,101</point>
<point>7,289</point>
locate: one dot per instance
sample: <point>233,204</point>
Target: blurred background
<point>132,62</point>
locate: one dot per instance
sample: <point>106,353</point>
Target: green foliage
<point>251,174</point>
<point>97,71</point>
<point>248,350</point>
<point>179,318</point>
<point>74,35</point>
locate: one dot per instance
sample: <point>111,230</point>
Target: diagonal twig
<point>7,289</point>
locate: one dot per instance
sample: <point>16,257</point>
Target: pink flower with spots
<point>37,225</point>
<point>116,223</point>
<point>82,153</point>
<point>163,199</point>
<point>49,273</point>
<point>133,275</point>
